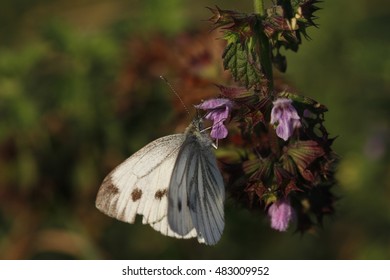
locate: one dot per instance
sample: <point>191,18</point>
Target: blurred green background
<point>79,92</point>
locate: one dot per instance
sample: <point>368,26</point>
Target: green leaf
<point>242,61</point>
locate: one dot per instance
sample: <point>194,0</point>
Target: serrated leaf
<point>303,153</point>
<point>308,175</point>
<point>243,63</point>
<point>223,17</point>
<point>257,188</point>
<point>291,187</point>
<point>281,175</point>
<point>259,168</point>
<point>306,10</point>
<point>288,164</point>
<point>251,166</point>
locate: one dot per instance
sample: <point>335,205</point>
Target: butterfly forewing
<point>140,185</point>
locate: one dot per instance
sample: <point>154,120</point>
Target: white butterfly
<point>174,183</point>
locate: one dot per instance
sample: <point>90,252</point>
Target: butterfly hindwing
<point>179,215</point>
<point>140,186</point>
<point>196,191</point>
<point>206,201</point>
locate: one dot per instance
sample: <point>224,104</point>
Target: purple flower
<point>285,117</point>
<point>218,111</point>
<point>281,213</point>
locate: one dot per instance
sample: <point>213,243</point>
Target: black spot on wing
<point>160,194</point>
<point>107,197</point>
<point>179,205</point>
<point>136,194</point>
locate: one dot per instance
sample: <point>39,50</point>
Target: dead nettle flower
<point>218,112</point>
<point>281,213</point>
<point>285,117</point>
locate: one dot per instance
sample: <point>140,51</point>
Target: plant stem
<point>259,7</point>
<point>264,48</point>
<point>266,62</point>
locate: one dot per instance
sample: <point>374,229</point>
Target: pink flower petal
<point>214,103</point>
<point>281,213</point>
<point>285,117</point>
<point>218,112</point>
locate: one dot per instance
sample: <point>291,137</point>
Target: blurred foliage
<point>79,92</point>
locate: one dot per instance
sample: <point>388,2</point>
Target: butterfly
<point>174,183</point>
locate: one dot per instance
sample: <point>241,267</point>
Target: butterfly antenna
<point>175,92</point>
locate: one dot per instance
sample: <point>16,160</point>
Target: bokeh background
<point>79,93</point>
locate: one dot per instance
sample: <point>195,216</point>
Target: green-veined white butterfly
<point>174,183</point>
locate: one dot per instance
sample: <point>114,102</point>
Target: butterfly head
<point>196,129</point>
